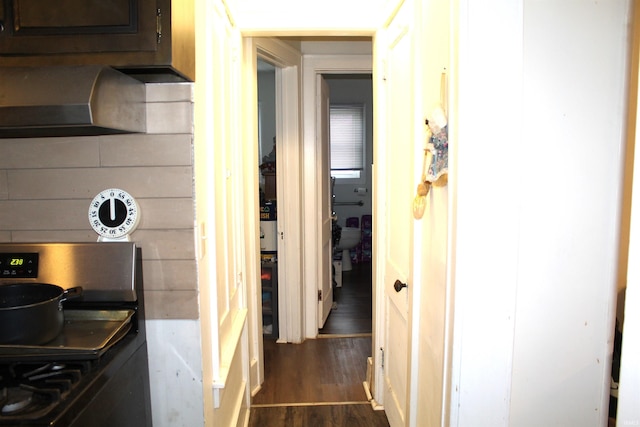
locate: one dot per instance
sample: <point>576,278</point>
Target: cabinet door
<point>77,26</point>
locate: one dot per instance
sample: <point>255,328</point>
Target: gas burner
<point>16,401</point>
<point>31,390</point>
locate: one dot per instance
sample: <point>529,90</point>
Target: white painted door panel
<point>397,189</point>
<point>325,284</point>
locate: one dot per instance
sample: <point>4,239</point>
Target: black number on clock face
<point>112,219</point>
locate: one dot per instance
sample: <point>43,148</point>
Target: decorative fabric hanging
<point>436,152</point>
<point>438,143</point>
<point>420,200</point>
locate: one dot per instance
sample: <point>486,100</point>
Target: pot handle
<point>71,293</point>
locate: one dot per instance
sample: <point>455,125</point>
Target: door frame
<point>325,216</point>
<point>314,65</point>
<point>287,62</point>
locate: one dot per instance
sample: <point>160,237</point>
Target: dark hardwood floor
<point>352,314</point>
<point>315,384</point>
<point>321,370</point>
<point>318,416</point>
<point>320,382</point>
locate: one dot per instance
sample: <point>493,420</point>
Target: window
<point>347,132</point>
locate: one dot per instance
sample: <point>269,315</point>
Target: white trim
<point>312,66</point>
<point>220,381</point>
<point>379,234</point>
<point>280,55</point>
<point>276,52</point>
<point>628,412</point>
<point>254,295</point>
<point>288,190</point>
<point>287,62</point>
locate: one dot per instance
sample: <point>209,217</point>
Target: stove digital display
<point>16,261</point>
<point>18,265</point>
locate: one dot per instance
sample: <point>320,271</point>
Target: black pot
<point>31,313</point>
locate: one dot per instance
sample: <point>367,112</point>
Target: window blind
<point>347,137</point>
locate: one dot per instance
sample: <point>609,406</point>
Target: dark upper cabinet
<point>140,37</point>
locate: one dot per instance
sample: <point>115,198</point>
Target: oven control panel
<point>18,265</point>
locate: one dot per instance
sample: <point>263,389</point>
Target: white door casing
<point>220,227</point>
<point>313,66</point>
<point>325,282</point>
<point>251,150</point>
<point>394,180</point>
<point>287,61</point>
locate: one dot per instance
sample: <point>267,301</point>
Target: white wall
<point>430,255</point>
<point>628,411</point>
<point>541,100</point>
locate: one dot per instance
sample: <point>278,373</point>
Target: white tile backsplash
<point>175,368</point>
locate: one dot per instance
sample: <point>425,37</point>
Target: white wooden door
<point>397,187</point>
<point>325,284</point>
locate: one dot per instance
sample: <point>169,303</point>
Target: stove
<point>95,372</point>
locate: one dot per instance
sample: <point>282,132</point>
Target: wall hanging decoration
<point>420,200</point>
<point>439,141</point>
<point>435,164</point>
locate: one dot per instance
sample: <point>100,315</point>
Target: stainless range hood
<point>69,101</point>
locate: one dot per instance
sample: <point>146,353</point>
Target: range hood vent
<point>69,101</point>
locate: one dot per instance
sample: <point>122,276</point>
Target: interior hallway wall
<point>539,196</point>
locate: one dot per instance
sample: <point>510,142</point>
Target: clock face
<point>113,213</point>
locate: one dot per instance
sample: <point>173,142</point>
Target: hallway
<point>323,370</point>
<point>352,314</point>
<point>315,384</point>
<point>320,382</point>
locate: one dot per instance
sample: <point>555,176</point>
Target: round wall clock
<point>113,214</point>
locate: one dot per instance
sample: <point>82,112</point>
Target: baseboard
<point>253,377</point>
<point>369,377</point>
<point>255,390</point>
<point>375,405</point>
<point>367,386</point>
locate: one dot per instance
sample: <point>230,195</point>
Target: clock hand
<point>112,208</point>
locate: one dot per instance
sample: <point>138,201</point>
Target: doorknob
<point>398,285</point>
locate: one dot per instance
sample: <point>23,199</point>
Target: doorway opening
<point>351,157</point>
<point>340,356</point>
<point>299,216</point>
<point>266,83</point>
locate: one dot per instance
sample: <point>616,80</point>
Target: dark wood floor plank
<point>352,314</point>
<point>320,370</point>
<point>318,416</point>
<point>305,380</point>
